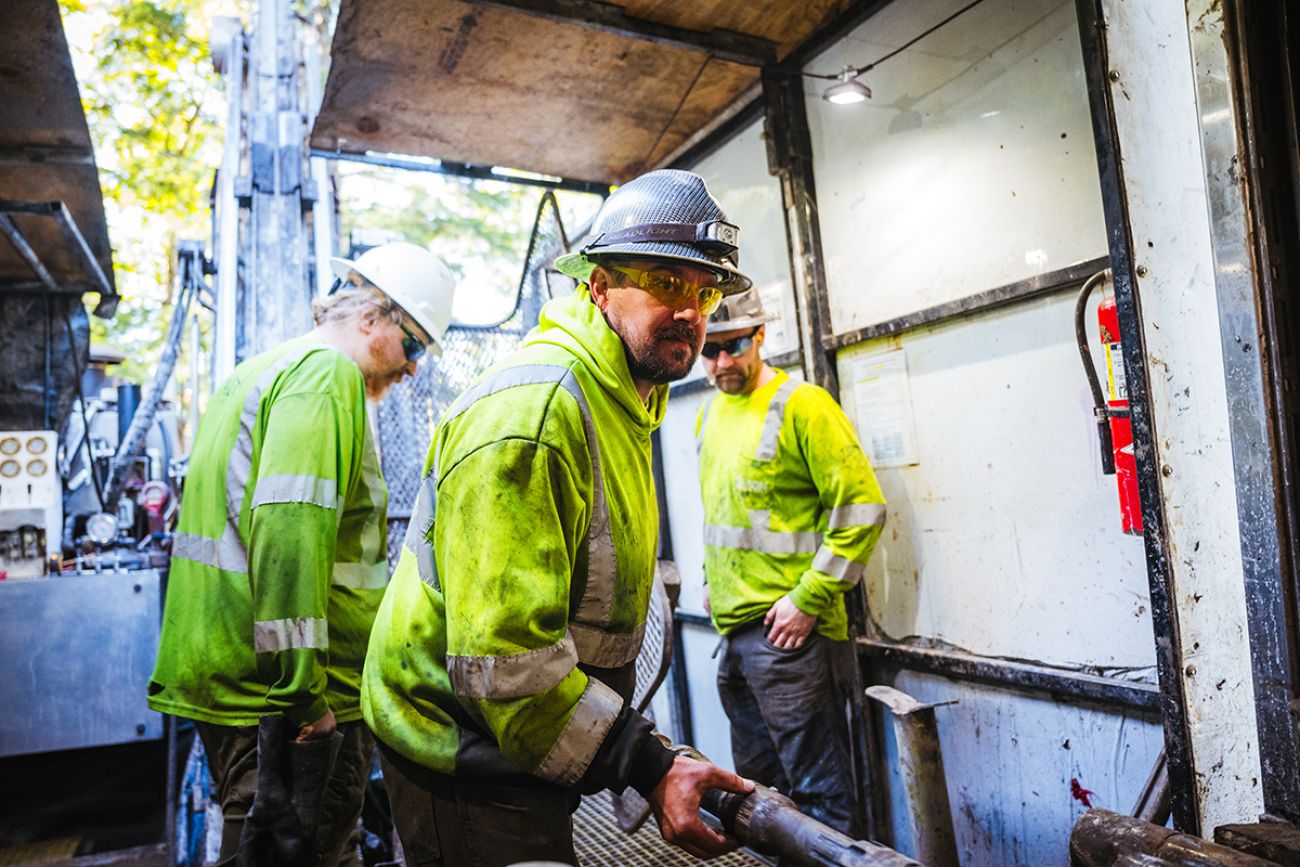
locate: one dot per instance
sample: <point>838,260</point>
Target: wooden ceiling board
<point>45,149</point>
<point>784,22</point>
<point>488,85</point>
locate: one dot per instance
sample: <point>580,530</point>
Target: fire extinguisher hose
<point>1099,410</point>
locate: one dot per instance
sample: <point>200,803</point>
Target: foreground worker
<point>279,557</point>
<point>792,511</point>
<point>502,660</point>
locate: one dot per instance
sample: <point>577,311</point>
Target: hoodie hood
<point>575,324</point>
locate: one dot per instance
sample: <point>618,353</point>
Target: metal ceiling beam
<point>609,18</point>
<point>59,212</point>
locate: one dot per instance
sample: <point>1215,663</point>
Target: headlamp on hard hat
<point>715,237</point>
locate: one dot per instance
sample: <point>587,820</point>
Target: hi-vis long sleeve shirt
<point>791,504</point>
<point>505,648</point>
<point>278,563</point>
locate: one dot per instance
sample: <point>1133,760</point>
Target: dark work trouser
<point>232,761</point>
<point>446,823</point>
<point>789,728</point>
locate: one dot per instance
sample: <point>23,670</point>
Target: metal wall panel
<point>971,167</point>
<point>1010,762</point>
<point>76,653</point>
<point>1005,538</point>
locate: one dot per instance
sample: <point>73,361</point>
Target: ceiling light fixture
<point>847,89</point>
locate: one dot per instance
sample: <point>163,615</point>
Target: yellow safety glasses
<point>671,290</point>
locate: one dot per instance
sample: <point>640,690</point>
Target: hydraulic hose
<point>131,445</point>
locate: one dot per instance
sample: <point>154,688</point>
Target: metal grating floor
<point>600,842</point>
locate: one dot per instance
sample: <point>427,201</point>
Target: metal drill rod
<point>770,824</point>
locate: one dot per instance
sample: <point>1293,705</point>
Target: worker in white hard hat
<point>792,511</point>
<point>279,562</point>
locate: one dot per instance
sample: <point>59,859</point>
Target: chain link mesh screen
<point>408,414</point>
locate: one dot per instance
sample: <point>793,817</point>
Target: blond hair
<point>354,300</point>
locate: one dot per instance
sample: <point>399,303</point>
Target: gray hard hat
<point>738,311</point>
<point>664,214</point>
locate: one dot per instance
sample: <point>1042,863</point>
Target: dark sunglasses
<point>412,347</point>
<point>735,346</point>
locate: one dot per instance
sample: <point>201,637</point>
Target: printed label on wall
<point>884,409</point>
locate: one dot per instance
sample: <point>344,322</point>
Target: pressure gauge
<point>37,467</point>
<point>10,468</point>
<point>37,445</point>
<point>101,527</point>
<point>10,446</point>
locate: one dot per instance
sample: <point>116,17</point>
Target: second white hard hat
<point>413,277</point>
<point>738,311</point>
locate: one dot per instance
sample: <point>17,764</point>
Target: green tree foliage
<point>151,100</point>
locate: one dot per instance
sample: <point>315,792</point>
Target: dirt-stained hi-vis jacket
<point>278,562</point>
<point>504,649</point>
<point>791,504</point>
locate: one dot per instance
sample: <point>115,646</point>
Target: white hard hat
<point>738,311</point>
<point>414,278</point>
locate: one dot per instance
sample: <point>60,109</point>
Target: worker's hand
<point>676,805</point>
<point>708,603</point>
<point>322,728</point>
<point>790,627</point>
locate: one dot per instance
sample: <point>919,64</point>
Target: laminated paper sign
<point>884,409</point>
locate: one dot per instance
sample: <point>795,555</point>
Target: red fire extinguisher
<point>1114,427</point>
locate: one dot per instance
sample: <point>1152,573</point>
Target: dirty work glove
<point>291,776</point>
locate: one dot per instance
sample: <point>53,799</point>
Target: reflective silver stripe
<point>302,633</point>
<point>704,420</point>
<point>361,576</point>
<point>585,731</point>
<point>224,553</point>
<point>287,488</point>
<point>512,675</point>
<point>857,515</point>
<point>240,465</point>
<point>846,570</point>
<point>757,536</point>
<point>773,421</point>
<point>417,529</point>
<point>598,595</point>
<point>374,533</point>
<point>604,649</point>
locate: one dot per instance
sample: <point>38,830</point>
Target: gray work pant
<point>789,728</point>
<point>232,761</point>
<point>443,822</point>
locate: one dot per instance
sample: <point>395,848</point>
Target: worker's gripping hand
<point>790,627</point>
<point>676,805</point>
<point>322,728</point>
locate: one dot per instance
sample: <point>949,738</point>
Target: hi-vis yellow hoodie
<point>504,648</point>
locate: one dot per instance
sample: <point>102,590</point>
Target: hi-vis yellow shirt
<point>791,504</point>
<point>278,563</point>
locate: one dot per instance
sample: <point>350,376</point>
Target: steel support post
<point>789,155</point>
<point>920,760</point>
<point>278,304</point>
<point>1164,616</point>
<point>1247,135</point>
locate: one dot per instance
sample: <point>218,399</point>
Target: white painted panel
<point>1005,539</point>
<point>751,198</point>
<point>1009,761</point>
<point>1159,140</point>
<point>972,167</point>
